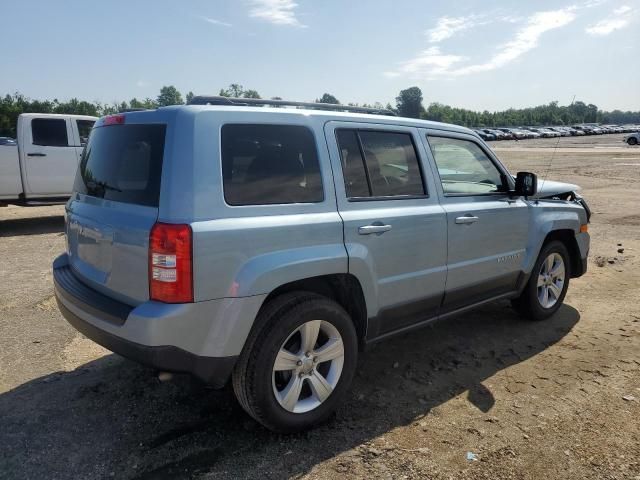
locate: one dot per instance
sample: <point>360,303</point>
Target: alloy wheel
<point>551,280</point>
<point>308,366</point>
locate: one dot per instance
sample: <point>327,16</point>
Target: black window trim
<point>270,205</point>
<point>377,198</point>
<point>504,175</point>
<point>66,126</point>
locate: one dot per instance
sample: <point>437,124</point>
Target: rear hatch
<point>114,207</point>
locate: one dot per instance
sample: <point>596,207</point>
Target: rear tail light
<point>170,260</point>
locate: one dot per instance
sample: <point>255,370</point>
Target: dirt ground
<point>484,395</point>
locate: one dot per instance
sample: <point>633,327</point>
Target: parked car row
<point>521,133</point>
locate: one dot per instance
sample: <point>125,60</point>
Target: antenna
<point>553,155</point>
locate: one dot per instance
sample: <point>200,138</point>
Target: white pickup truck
<point>40,168</point>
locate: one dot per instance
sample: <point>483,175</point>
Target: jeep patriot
<point>267,246</point>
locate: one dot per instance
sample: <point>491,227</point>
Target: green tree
<point>169,95</point>
<point>189,96</point>
<point>409,103</point>
<point>250,94</point>
<point>328,98</point>
<point>147,103</point>
<point>235,90</point>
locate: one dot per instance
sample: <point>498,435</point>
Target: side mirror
<point>526,184</point>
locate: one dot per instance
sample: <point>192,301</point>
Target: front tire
<point>297,363</point>
<point>632,141</point>
<point>545,291</point>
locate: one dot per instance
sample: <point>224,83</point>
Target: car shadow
<point>111,418</point>
<point>32,226</point>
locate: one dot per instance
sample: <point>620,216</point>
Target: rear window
<point>270,164</point>
<point>123,163</point>
<point>84,129</point>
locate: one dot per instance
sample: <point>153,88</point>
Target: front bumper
<point>202,338</point>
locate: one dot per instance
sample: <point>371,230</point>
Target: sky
<point>488,55</point>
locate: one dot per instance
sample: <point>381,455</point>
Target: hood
<point>550,188</point>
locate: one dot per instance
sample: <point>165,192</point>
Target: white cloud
<point>622,10</point>
<point>605,27</point>
<point>526,39</point>
<point>429,62</point>
<point>213,21</point>
<point>278,12</point>
<point>142,84</point>
<point>618,19</point>
<point>446,27</point>
<point>433,62</point>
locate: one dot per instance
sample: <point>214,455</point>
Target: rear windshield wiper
<point>92,185</point>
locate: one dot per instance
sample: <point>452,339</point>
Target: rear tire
<point>276,382</point>
<point>545,291</point>
<point>632,141</point>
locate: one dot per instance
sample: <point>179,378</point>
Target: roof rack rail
<point>244,102</point>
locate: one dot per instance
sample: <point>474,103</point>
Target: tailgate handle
<point>377,228</point>
<point>36,154</point>
<point>466,220</point>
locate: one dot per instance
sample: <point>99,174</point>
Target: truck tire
<point>545,291</point>
<point>297,363</point>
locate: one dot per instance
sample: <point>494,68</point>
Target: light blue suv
<point>269,245</point>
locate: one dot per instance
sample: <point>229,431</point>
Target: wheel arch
<point>568,238</point>
<point>343,288</point>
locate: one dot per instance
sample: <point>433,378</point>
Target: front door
<point>394,227</point>
<point>487,228</point>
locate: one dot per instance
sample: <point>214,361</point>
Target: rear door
<point>394,228</point>
<point>50,160</point>
<point>487,228</point>
<point>114,207</point>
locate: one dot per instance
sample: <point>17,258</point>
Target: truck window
<point>84,129</point>
<point>390,165</point>
<point>49,132</point>
<point>270,164</point>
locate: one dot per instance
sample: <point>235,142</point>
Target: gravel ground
<point>557,399</point>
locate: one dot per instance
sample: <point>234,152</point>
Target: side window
<point>355,176</point>
<point>270,164</point>
<point>49,132</point>
<point>389,168</point>
<point>464,168</point>
<point>84,129</point>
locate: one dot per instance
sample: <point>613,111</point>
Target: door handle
<point>36,154</point>
<point>466,220</point>
<point>378,229</point>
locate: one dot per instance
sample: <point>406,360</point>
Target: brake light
<point>114,120</point>
<point>170,263</point>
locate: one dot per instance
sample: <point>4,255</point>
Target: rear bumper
<point>212,370</point>
<point>202,338</point>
